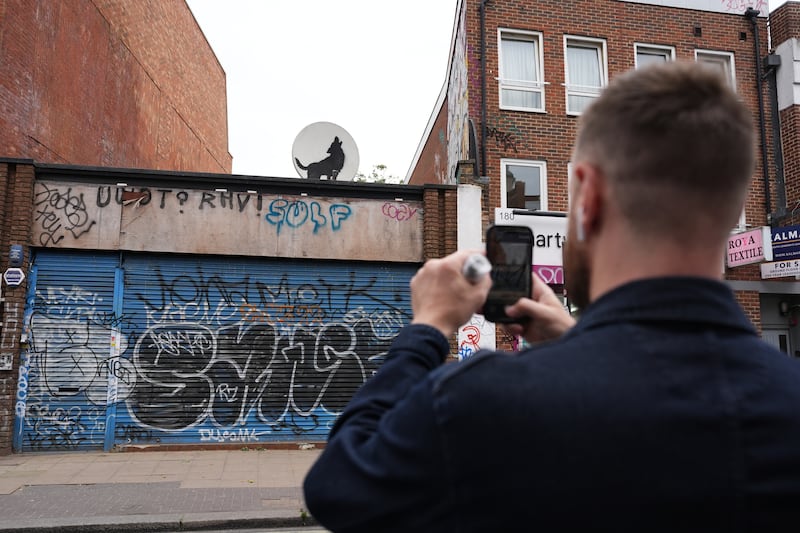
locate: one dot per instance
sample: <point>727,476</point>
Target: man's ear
<point>590,193</point>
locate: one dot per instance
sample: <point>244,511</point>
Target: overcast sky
<point>373,67</point>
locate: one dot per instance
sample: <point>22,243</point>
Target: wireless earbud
<point>580,234</point>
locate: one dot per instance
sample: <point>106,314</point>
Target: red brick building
<point>521,72</point>
<point>111,83</point>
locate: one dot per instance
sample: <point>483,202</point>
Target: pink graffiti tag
<point>398,212</point>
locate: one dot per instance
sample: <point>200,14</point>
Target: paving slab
<point>153,491</point>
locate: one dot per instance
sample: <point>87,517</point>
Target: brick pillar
<point>16,218</point>
<point>440,226</point>
<point>751,303</point>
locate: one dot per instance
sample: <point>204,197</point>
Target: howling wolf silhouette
<point>330,166</point>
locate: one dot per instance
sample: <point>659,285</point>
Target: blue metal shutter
<point>251,350</point>
<point>70,313</point>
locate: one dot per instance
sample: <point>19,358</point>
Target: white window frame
<point>589,42</point>
<point>542,165</point>
<point>726,58</point>
<point>521,85</point>
<point>656,49</point>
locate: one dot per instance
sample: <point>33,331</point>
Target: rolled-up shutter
<point>250,350</point>
<point>63,384</point>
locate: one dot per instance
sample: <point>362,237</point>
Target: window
<point>586,71</point>
<point>521,71</point>
<point>651,53</point>
<point>523,184</point>
<point>722,62</point>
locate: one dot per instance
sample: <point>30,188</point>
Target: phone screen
<point>510,251</point>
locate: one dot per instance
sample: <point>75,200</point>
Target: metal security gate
<point>237,350</point>
<point>62,391</point>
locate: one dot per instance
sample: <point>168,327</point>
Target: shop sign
<point>780,269</point>
<point>786,243</point>
<point>749,247</point>
<point>549,236</point>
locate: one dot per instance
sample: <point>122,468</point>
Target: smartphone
<point>510,251</point>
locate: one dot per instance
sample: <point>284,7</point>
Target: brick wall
<point>784,22</point>
<point>549,136</point>
<point>111,83</point>
<point>431,166</point>
<point>440,229</point>
<point>16,191</point>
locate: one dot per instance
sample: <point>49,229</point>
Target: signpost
<point>13,277</point>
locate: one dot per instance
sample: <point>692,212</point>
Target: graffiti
<point>477,334</point>
<point>8,340</point>
<point>130,433</point>
<point>739,6</point>
<point>210,358</point>
<point>240,435</point>
<point>471,343</point>
<point>123,196</point>
<point>58,212</point>
<point>398,212</point>
<point>255,371</point>
<point>64,428</point>
<point>68,357</point>
<point>506,140</point>
<point>61,213</point>
<point>458,101</point>
<point>227,353</point>
<point>296,213</point>
<point>22,387</point>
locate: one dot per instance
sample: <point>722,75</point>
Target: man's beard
<point>576,272</point>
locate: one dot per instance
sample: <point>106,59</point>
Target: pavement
<point>154,490</point>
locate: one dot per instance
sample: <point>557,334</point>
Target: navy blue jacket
<point>661,410</point>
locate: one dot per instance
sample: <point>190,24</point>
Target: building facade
<point>172,309</point>
<point>520,75</point>
<point>111,83</point>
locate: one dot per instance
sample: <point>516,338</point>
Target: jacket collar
<point>667,299</point>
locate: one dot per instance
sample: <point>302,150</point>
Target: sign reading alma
<point>733,7</point>
<point>786,243</point>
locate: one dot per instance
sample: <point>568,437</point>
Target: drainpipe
<point>752,15</point>
<point>482,9</point>
<point>771,64</point>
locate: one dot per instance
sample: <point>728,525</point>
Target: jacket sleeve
<point>382,468</point>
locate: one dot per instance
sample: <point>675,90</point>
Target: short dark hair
<point>671,133</point>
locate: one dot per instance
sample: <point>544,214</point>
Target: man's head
<point>668,151</point>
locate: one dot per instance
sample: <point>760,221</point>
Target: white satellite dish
<point>325,151</point>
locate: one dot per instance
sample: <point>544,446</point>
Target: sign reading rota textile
<point>786,243</point>
<point>780,269</point>
<point>749,247</point>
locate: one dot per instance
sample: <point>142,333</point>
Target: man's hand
<point>442,297</point>
<point>548,318</point>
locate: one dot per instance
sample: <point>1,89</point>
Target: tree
<point>378,175</point>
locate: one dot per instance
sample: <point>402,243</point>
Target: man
<point>660,410</point>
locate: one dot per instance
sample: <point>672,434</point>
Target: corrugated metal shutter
<point>250,350</point>
<point>70,310</point>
